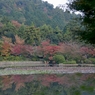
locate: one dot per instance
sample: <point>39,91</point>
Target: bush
<point>13,58</point>
<point>90,60</point>
<point>58,58</point>
<point>70,62</point>
<point>87,61</point>
<point>34,58</point>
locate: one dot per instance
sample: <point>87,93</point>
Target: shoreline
<point>46,70</point>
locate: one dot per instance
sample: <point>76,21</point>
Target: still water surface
<point>48,84</point>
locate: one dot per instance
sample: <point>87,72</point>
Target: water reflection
<point>45,84</point>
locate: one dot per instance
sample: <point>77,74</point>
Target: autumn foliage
<point>88,51</point>
<point>19,40</point>
<point>21,49</point>
<point>16,23</point>
<point>5,49</point>
<point>48,50</point>
<point>18,80</point>
<point>46,80</point>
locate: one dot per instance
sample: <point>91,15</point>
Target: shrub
<point>70,62</point>
<point>87,61</point>
<point>90,60</point>
<point>34,58</point>
<point>13,58</point>
<point>58,58</point>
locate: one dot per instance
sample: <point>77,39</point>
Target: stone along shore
<point>12,68</point>
<point>46,70</point>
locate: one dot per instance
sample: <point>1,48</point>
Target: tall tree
<point>87,7</point>
<point>8,30</point>
<point>54,35</point>
<point>71,31</point>
<point>32,35</point>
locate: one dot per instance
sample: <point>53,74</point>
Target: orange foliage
<point>16,23</point>
<point>6,39</point>
<point>7,82</point>
<point>19,40</point>
<point>5,50</point>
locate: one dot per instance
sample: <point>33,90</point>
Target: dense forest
<point>34,11</point>
<point>33,30</point>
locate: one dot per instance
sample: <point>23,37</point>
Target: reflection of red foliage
<point>7,82</point>
<point>18,78</point>
<point>85,77</point>
<point>29,78</point>
<point>45,80</point>
<point>48,79</point>
<point>18,81</point>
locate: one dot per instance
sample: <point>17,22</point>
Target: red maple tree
<point>48,50</point>
<point>21,49</point>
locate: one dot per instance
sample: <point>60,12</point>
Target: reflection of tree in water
<point>47,84</point>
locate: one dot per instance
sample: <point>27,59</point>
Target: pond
<point>48,84</point>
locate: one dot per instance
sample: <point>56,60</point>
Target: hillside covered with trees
<point>33,30</point>
<point>37,12</point>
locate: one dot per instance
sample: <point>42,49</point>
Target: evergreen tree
<point>87,7</point>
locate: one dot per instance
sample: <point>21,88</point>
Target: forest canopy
<point>37,12</point>
<point>87,7</point>
<point>34,30</point>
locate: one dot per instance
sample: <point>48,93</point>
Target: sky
<point>56,2</point>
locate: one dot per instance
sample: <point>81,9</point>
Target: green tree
<point>21,31</point>
<point>46,32</point>
<point>87,7</point>
<point>32,35</point>
<point>54,35</point>
<point>57,35</point>
<point>9,31</point>
<point>4,20</point>
<point>71,30</point>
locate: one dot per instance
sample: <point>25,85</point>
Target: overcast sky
<point>56,2</point>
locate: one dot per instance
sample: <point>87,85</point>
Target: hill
<point>37,12</point>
